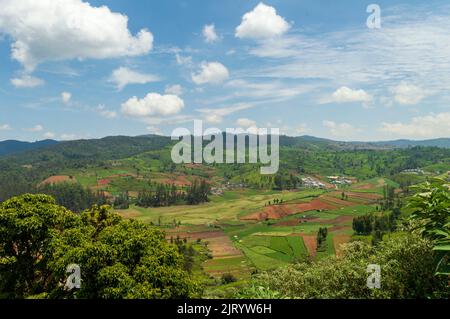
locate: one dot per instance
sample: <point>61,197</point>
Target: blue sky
<point>71,69</point>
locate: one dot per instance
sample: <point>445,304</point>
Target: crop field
<point>244,230</point>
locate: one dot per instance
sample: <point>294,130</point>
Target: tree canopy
<point>117,258</point>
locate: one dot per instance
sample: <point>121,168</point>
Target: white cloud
<point>27,81</point>
<point>66,96</point>
<point>213,118</point>
<point>153,104</point>
<point>209,33</point>
<point>262,23</point>
<point>183,60</point>
<point>415,46</point>
<point>154,130</point>
<point>342,130</point>
<point>68,137</point>
<point>122,76</point>
<point>409,94</point>
<point>101,109</point>
<point>216,115</point>
<point>428,126</point>
<point>302,128</point>
<point>211,72</point>
<point>49,135</point>
<point>72,29</point>
<point>36,128</point>
<point>5,127</point>
<point>345,94</point>
<point>175,89</point>
<point>245,123</point>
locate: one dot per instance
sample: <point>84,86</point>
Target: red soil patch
<point>280,211</point>
<point>57,179</point>
<point>338,240</point>
<point>365,186</point>
<point>337,201</point>
<point>177,180</point>
<point>104,182</point>
<point>219,244</point>
<point>371,196</point>
<point>311,244</point>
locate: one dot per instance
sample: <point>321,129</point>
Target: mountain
<point>12,146</point>
<point>437,142</point>
<point>404,143</point>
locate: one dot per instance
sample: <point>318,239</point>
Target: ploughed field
<point>244,230</point>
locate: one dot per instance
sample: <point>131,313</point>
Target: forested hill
<point>93,150</point>
<point>12,146</point>
<point>113,147</point>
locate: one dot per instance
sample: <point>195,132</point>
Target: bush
<point>228,278</point>
<point>406,272</point>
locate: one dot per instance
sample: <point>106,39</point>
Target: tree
<point>29,225</point>
<point>407,271</point>
<point>431,213</point>
<point>118,258</point>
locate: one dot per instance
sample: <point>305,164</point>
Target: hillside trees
<point>117,258</point>
<point>431,215</point>
<point>407,271</point>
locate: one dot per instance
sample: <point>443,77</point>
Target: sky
<point>71,69</point>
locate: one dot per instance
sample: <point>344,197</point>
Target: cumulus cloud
<point>49,135</point>
<point>209,33</point>
<point>211,72</point>
<point>153,104</point>
<point>26,81</point>
<point>5,127</point>
<point>341,129</point>
<point>65,97</point>
<point>408,94</point>
<point>123,76</point>
<point>175,89</point>
<point>347,95</point>
<point>261,23</point>
<point>36,128</point>
<point>101,109</point>
<point>428,126</point>
<point>68,137</point>
<point>68,29</point>
<point>245,123</point>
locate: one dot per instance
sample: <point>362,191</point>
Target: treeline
<point>373,223</point>
<point>284,181</point>
<point>322,238</point>
<point>168,195</point>
<point>73,196</point>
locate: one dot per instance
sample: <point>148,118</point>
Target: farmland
<point>244,233</point>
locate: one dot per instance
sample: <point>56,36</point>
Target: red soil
<point>104,182</point>
<point>311,244</point>
<point>280,211</point>
<point>337,201</point>
<point>338,240</point>
<point>57,179</point>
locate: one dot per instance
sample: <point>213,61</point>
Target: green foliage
<point>118,259</point>
<point>322,239</point>
<point>73,196</point>
<point>431,212</point>
<point>406,272</point>
<point>369,223</point>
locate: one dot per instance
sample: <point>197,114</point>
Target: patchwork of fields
<point>245,233</point>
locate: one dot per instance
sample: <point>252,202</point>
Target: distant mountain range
<point>136,143</point>
<point>12,146</point>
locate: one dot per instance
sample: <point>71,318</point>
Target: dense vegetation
<point>118,259</point>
